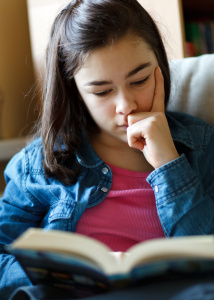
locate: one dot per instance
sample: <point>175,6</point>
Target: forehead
<point>118,55</point>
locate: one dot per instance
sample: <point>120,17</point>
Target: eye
<point>103,93</point>
<point>140,82</point>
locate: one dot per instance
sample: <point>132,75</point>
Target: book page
<point>95,252</point>
<point>169,248</point>
<point>67,243</point>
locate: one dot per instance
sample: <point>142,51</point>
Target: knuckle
<point>157,119</point>
<point>159,116</point>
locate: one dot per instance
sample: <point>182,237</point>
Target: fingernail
<point>160,70</point>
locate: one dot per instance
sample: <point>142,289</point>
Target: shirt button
<point>104,189</point>
<point>105,170</point>
<point>156,189</point>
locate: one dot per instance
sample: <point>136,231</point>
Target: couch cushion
<point>193,86</point>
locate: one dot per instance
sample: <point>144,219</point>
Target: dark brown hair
<point>80,28</point>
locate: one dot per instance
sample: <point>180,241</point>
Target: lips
<point>123,126</point>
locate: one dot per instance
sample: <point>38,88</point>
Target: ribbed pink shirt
<point>128,214</point>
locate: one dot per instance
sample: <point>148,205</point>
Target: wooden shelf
<point>10,147</point>
<point>197,9</point>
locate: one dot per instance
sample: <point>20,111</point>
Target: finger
<point>159,95</point>
<point>136,117</point>
<point>135,139</point>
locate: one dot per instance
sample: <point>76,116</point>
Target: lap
<point>191,289</point>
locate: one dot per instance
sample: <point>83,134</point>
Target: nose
<point>125,104</point>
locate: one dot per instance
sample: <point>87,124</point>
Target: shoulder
<point>28,159</point>
<point>26,175</point>
<point>185,118</point>
<point>193,130</point>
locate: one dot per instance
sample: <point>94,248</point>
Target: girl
<point>109,162</point>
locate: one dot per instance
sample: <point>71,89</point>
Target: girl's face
<point>115,81</point>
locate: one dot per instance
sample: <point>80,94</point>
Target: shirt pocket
<point>62,210</point>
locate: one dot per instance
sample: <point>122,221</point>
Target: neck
<point>121,155</point>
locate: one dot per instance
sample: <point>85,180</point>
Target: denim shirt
<point>183,188</point>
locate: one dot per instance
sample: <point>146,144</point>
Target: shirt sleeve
<point>18,211</point>
<point>184,192</point>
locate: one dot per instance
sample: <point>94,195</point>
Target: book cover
<point>84,266</point>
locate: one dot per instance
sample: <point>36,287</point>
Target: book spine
<point>199,37</point>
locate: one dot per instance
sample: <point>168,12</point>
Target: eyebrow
<point>131,73</point>
<point>138,69</point>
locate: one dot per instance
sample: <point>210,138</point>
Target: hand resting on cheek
<point>149,131</point>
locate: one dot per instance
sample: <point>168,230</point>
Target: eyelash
<point>140,82</point>
<point>102,94</point>
<point>136,83</point>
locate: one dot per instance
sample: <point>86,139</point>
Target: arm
<point>184,191</point>
<point>18,211</point>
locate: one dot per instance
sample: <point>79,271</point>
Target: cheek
<point>99,110</point>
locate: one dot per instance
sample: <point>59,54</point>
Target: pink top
<point>128,214</point>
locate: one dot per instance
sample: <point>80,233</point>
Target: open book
<point>72,260</point>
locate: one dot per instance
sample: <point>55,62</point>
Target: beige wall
<point>168,14</point>
<point>16,71</point>
<point>41,16</point>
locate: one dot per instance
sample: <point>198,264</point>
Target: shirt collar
<point>86,155</point>
<point>179,132</point>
